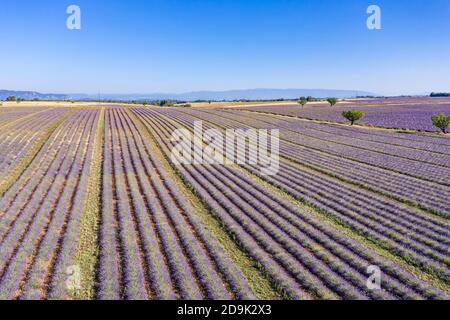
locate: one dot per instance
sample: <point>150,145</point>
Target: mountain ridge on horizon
<point>238,94</point>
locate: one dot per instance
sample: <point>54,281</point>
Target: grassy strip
<point>14,174</point>
<point>259,282</point>
<point>87,252</point>
<point>348,231</point>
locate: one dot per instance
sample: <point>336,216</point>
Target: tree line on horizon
<point>440,121</point>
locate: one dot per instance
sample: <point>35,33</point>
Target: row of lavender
<point>15,140</point>
<point>407,116</point>
<point>400,100</point>
<point>303,256</point>
<point>38,224</point>
<point>357,170</point>
<point>152,243</point>
<point>11,114</point>
<point>426,241</point>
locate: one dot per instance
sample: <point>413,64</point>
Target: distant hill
<point>249,94</point>
<point>30,95</point>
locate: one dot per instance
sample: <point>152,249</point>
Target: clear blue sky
<point>183,45</point>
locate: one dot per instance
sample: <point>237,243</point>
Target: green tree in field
<point>332,101</point>
<point>166,103</point>
<point>11,98</point>
<point>441,121</point>
<point>302,101</point>
<point>353,115</point>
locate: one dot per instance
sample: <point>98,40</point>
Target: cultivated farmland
<point>92,206</point>
<point>394,113</point>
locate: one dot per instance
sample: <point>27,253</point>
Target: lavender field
<point>394,113</point>
<point>92,206</point>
